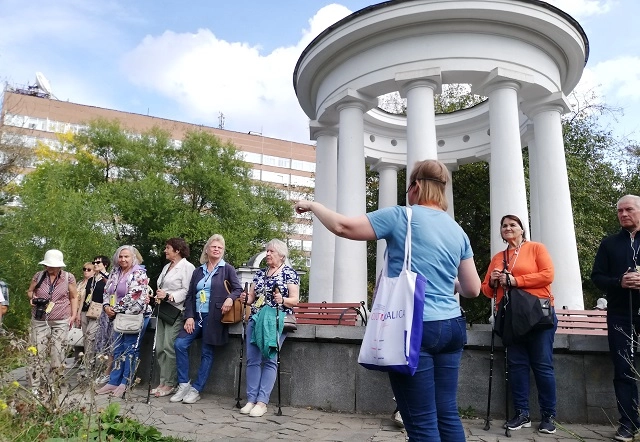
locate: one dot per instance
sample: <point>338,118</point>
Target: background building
<point>30,116</point>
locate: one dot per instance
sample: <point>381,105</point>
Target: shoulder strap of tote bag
<point>407,242</point>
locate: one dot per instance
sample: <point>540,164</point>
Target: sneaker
<point>247,408</point>
<point>521,420</point>
<point>397,418</point>
<point>183,389</point>
<point>191,397</point>
<point>547,425</point>
<point>102,379</point>
<point>258,411</point>
<point>624,434</point>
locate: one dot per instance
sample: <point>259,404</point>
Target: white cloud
<point>206,75</point>
<point>583,8</point>
<point>620,78</point>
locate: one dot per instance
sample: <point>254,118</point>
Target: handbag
<point>519,313</point>
<point>168,313</point>
<point>128,324</point>
<point>290,323</point>
<point>393,334</point>
<point>95,310</point>
<point>75,337</point>
<point>234,315</point>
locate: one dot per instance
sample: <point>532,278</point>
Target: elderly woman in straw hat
<point>54,302</point>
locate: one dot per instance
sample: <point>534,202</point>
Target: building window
<point>302,181</point>
<point>273,177</point>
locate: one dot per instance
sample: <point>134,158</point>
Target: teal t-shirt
<point>438,244</point>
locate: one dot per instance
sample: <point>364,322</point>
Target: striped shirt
<point>56,291</point>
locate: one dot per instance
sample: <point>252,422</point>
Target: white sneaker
<point>102,380</point>
<point>258,411</point>
<point>192,396</point>
<point>183,389</point>
<point>247,408</point>
<point>397,418</point>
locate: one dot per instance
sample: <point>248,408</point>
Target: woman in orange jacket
<point>527,266</point>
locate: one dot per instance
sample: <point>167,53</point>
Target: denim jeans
<point>535,352</point>
<point>624,377</point>
<point>427,400</point>
<point>125,355</point>
<point>182,345</point>
<point>261,372</point>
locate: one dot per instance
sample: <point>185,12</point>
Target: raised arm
<point>354,227</point>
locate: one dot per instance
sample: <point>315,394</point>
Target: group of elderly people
<point>190,304</point>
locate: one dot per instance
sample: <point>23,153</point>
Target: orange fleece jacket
<point>533,271</point>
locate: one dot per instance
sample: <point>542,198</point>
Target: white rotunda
<point>525,56</point>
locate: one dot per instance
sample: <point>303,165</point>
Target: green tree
<point>117,188</point>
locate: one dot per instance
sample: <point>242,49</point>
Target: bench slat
<point>325,313</point>
<point>582,322</point>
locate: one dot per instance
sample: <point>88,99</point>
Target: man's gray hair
<point>635,199</point>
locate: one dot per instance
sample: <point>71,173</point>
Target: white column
<point>448,191</point>
<point>324,242</point>
<point>534,183</point>
<point>387,197</point>
<point>557,231</point>
<point>350,265</point>
<point>506,173</point>
<point>421,123</point>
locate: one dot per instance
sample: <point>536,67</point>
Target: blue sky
<point>191,60</point>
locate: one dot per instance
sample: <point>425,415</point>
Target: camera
<point>41,306</point>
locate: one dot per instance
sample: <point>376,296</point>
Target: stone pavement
<point>215,418</point>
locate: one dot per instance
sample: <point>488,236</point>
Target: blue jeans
<point>261,372</point>
<point>624,377</point>
<point>535,352</point>
<point>427,400</point>
<point>182,345</point>
<point>125,355</point>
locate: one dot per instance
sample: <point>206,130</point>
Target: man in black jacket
<point>615,270</point>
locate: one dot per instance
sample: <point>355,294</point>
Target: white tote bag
<point>393,335</point>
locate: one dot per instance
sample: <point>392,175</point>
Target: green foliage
<point>115,188</point>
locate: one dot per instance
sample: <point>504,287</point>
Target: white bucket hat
<point>53,258</point>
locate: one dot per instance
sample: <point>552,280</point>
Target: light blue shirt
<point>438,244</point>
<point>204,285</point>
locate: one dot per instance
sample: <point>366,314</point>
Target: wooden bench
<point>330,313</point>
<point>582,322</point>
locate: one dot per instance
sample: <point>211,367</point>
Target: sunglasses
<point>84,269</point>
<point>97,262</point>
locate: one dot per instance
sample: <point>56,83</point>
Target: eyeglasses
<point>84,269</point>
<point>413,183</point>
<point>97,262</point>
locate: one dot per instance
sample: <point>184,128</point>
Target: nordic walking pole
<point>278,351</point>
<point>507,431</point>
<point>242,339</point>
<point>487,423</point>
<point>156,309</point>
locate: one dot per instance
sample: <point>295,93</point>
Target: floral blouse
<point>136,298</point>
<point>264,286</point>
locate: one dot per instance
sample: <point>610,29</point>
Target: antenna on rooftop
<point>44,85</point>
